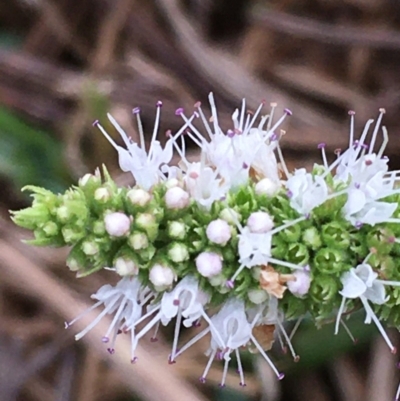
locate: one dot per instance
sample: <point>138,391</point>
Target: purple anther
<point>385,158</point>
<point>281,376</point>
<point>307,215</point>
<point>289,193</point>
<point>288,112</point>
<point>337,151</point>
<point>358,224</point>
<point>352,112</point>
<point>355,341</point>
<point>202,379</point>
<point>222,198</point>
<point>365,146</point>
<point>230,133</point>
<point>168,133</point>
<point>176,302</point>
<point>159,103</point>
<point>368,162</point>
<point>296,358</point>
<point>171,361</point>
<point>111,351</point>
<point>230,284</point>
<point>307,268</point>
<point>179,111</point>
<point>357,185</point>
<point>245,165</point>
<point>398,365</point>
<point>321,145</point>
<point>197,104</point>
<point>153,339</point>
<point>220,356</point>
<point>95,123</point>
<point>197,323</point>
<point>241,384</point>
<point>136,110</point>
<point>134,360</point>
<point>105,339</point>
<point>273,137</point>
<point>394,351</point>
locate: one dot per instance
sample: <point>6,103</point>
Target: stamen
<point>296,326</point>
<point>253,120</point>
<point>136,111</point>
<point>154,338</point>
<point>322,147</point>
<point>120,131</point>
<point>375,133</point>
<point>176,334</point>
<point>384,142</point>
<point>351,139</point>
<point>348,331</point>
<point>155,130</point>
<point>378,324</point>
<point>271,116</point>
<point>214,113</point>
<point>208,366</point>
<point>339,315</point>
<point>296,357</point>
<point>242,111</point>
<point>282,161</point>
<point>203,118</point>
<point>196,338</point>
<point>278,374</point>
<point>287,225</point>
<point>226,364</point>
<point>240,368</point>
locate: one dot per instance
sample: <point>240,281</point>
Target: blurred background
<point>65,63</point>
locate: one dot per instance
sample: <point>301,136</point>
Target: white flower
<point>117,224</point>
<point>363,283</point>
<point>124,302</point>
<point>203,184</point>
<point>144,166</point>
<point>254,249</point>
<point>186,301</point>
<point>260,222</point>
<point>161,276</point>
<point>209,264</point>
<point>218,232</point>
<point>305,191</point>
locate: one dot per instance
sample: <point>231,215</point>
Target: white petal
<point>353,286</point>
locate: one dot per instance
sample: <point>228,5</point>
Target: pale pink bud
<point>267,187</point>
<point>161,276</point>
<point>260,222</point>
<point>126,267</point>
<point>218,232</point>
<point>176,198</point>
<point>209,264</point>
<point>117,224</point>
<point>139,196</point>
<point>301,285</point>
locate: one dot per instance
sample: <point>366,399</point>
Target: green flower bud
<point>229,215</point>
<point>257,296</point>
<point>176,229</point>
<point>217,280</point>
<point>138,197</point>
<point>331,261</point>
<point>50,229</point>
<point>335,234</point>
<point>325,289</point>
<point>90,248</point>
<point>291,234</point>
<point>312,238</point>
<point>71,235</point>
<point>178,252</point>
<point>102,195</point>
<point>298,253</point>
<point>138,240</point>
<point>32,217</point>
<point>148,223</point>
<point>99,228</point>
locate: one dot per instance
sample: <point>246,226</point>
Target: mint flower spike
<point>362,282</point>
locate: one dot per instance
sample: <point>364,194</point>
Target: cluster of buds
<point>235,232</point>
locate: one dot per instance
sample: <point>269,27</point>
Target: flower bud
<point>176,198</point>
<point>267,187</point>
<point>73,264</point>
<point>229,215</point>
<point>138,241</point>
<point>257,296</point>
<point>90,248</point>
<point>301,285</point>
<point>102,194</point>
<point>126,267</point>
<point>209,264</point>
<point>88,179</point>
<point>50,229</point>
<point>161,276</point>
<point>178,253</point>
<point>117,224</point>
<point>260,222</point>
<point>176,229</point>
<point>138,196</point>
<point>218,232</point>
<point>172,183</point>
